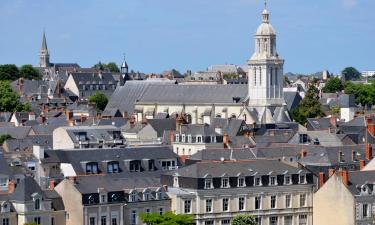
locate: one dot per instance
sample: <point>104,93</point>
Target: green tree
<point>309,107</point>
<point>99,99</point>
<point>10,100</point>
<point>31,223</point>
<point>29,72</point>
<point>9,72</point>
<point>168,218</point>
<point>4,137</point>
<point>351,73</point>
<point>333,85</point>
<point>364,93</point>
<point>244,219</point>
<point>112,67</point>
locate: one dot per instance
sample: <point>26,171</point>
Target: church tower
<point>124,72</point>
<point>265,76</point>
<point>43,54</point>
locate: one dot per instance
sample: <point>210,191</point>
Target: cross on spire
<point>265,4</point>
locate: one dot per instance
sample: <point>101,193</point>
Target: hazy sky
<point>188,34</point>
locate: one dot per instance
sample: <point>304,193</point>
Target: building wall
<point>61,139</point>
<point>71,85</point>
<point>72,201</point>
<point>140,207</point>
<point>334,204</point>
<point>12,216</point>
<point>347,114</point>
<point>192,148</point>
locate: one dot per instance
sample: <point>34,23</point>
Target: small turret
<point>124,72</point>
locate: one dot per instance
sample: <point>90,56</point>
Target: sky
<point>157,35</point>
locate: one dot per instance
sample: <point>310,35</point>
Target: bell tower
<point>43,54</point>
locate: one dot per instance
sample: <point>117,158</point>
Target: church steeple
<point>124,72</point>
<point>43,53</point>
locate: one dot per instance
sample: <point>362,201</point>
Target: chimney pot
<point>345,177</point>
<point>303,154</point>
<point>11,186</point>
<point>321,179</point>
<point>331,172</point>
<point>226,141</point>
<point>368,152</point>
<point>362,164</point>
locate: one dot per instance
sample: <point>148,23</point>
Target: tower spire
<point>44,42</point>
<point>43,53</point>
<point>265,13</point>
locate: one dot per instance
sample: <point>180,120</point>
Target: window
<point>189,138</point>
<point>91,168</point>
<point>133,218</point>
<point>302,179</point>
<point>133,197</point>
<point>225,182</point>
<point>225,222</point>
<point>113,167</point>
<point>183,138</point>
<point>37,204</point>
<point>302,219</point>
<point>288,201</point>
<point>208,183</point>
<point>146,196</point>
<point>5,221</point>
<point>37,220</point>
<point>273,220</point>
<point>177,137</point>
<point>273,202</point>
<point>258,220</point>
<point>114,221</point>
<point>241,203</point>
<point>255,76</point>
<point>52,220</point>
<point>302,200</point>
<point>287,179</point>
<point>199,139</point>
<point>288,220</point>
<point>225,204</point>
<point>135,166</point>
<point>276,79</point>
<point>187,206</point>
<point>103,220</point>
<point>258,202</point>
<point>365,211</point>
<point>161,211</point>
<point>3,182</point>
<point>241,182</point>
<point>208,205</point>
<point>273,181</point>
<point>258,181</point>
<point>209,222</point>
<point>260,76</point>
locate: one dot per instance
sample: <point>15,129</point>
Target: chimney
<point>52,184</point>
<point>69,115</point>
<point>21,85</point>
<point>179,121</point>
<point>303,154</point>
<point>11,186</point>
<point>370,126</point>
<point>368,151</point>
<point>125,115</point>
<point>132,121</point>
<point>226,141</point>
<point>333,121</point>
<point>165,187</point>
<point>43,119</point>
<point>171,137</point>
<point>331,172</point>
<point>144,121</point>
<point>345,177</point>
<point>354,155</point>
<point>83,118</point>
<point>362,164</point>
<point>321,179</point>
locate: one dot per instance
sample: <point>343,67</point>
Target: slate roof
<point>160,125</point>
<point>25,188</point>
<point>115,121</point>
<point>234,168</point>
<point>319,123</point>
<point>227,154</point>
<point>359,178</point>
<point>28,142</point>
<point>347,101</point>
<point>4,167</point>
<point>5,116</point>
<point>198,129</point>
<point>16,132</point>
<point>292,99</point>
<point>57,202</point>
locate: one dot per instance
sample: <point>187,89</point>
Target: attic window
<point>302,179</point>
<point>92,168</point>
<point>113,167</point>
<point>37,204</point>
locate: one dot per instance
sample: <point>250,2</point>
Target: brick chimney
<point>226,140</point>
<point>132,121</point>
<point>21,85</point>
<point>333,121</point>
<point>83,118</point>
<point>370,126</point>
<point>368,152</point>
<point>362,164</point>
<point>171,137</point>
<point>43,119</point>
<point>125,115</point>
<point>345,177</point>
<point>321,179</point>
<point>303,154</point>
<point>52,184</point>
<point>69,115</point>
<point>11,186</point>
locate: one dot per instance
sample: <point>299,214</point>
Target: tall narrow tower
<point>265,68</point>
<point>43,54</point>
<point>124,72</point>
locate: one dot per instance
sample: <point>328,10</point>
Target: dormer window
<point>208,183</point>
<point>302,179</point>
<point>91,168</point>
<point>273,181</point>
<point>199,139</point>
<point>146,196</point>
<point>113,167</point>
<point>189,138</point>
<point>183,138</point>
<point>103,198</point>
<point>177,138</point>
<point>287,180</point>
<point>225,182</point>
<point>133,197</point>
<point>241,182</point>
<point>91,199</point>
<point>160,195</point>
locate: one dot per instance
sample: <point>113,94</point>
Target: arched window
<point>260,76</point>
<point>244,117</point>
<point>276,76</point>
<point>188,118</point>
<point>255,76</point>
<point>271,77</point>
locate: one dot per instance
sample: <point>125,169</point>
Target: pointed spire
<point>124,63</point>
<point>44,42</point>
<point>265,13</point>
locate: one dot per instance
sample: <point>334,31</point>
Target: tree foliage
<point>364,93</point>
<point>111,66</point>
<point>4,137</point>
<point>309,107</point>
<point>167,218</point>
<point>333,85</point>
<point>99,99</point>
<point>31,223</point>
<point>244,219</point>
<point>10,100</point>
<point>29,72</point>
<point>351,73</point>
